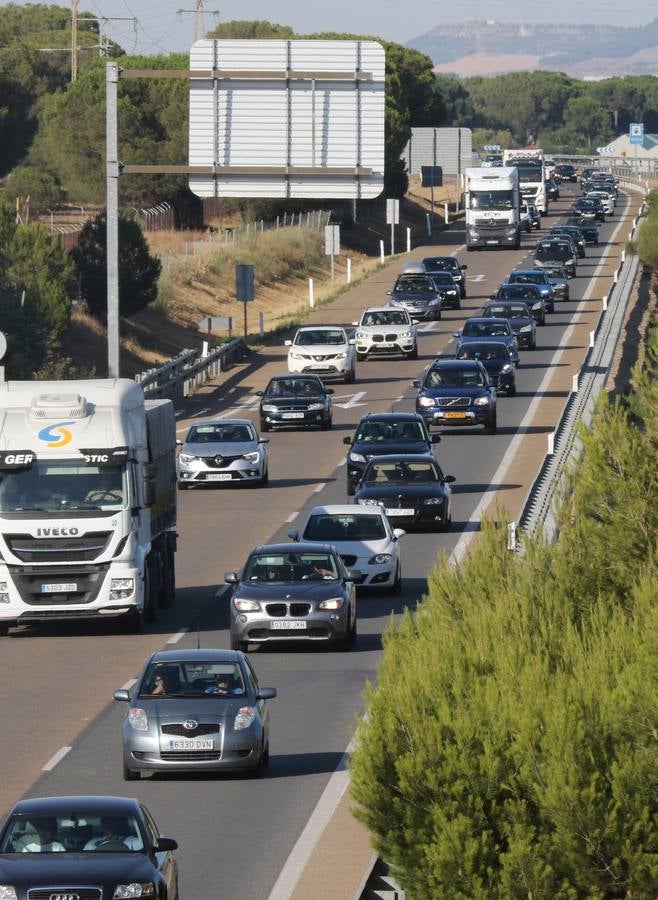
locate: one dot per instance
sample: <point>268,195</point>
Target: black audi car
<point>412,490</point>
<point>530,294</point>
<point>379,434</point>
<point>85,848</point>
<point>495,359</point>
<point>419,295</point>
<point>450,264</point>
<point>574,233</point>
<point>566,172</point>
<point>298,401</point>
<point>457,392</point>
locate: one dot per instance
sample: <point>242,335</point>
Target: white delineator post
<point>311,295</point>
<point>408,240</point>
<point>381,252</point>
<point>348,273</point>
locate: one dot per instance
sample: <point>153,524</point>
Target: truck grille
<point>54,550</point>
<point>87,579</point>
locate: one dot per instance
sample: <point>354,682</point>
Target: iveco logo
<point>57,532</point>
<point>64,897</point>
<point>190,725</point>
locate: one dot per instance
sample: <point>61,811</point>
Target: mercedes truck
<point>491,197</point>
<point>532,175</point>
<point>87,502</point>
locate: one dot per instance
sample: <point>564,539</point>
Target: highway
<point>235,834</point>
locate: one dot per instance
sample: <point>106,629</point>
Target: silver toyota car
<point>227,451</point>
<point>195,710</point>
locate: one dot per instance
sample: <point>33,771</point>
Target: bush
<point>40,186</point>
<point>647,240</point>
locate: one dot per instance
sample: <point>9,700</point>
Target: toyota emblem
<point>190,725</point>
<point>65,896</point>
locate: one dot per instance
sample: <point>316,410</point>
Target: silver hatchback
<point>222,451</point>
<point>195,710</point>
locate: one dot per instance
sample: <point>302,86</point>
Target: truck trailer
<point>492,201</point>
<point>87,502</point>
<point>532,175</point>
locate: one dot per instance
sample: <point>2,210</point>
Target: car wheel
<point>350,377</point>
<point>491,427</point>
<point>326,426</point>
<point>347,641</point>
<point>264,426</point>
<point>351,488</point>
<point>413,354</point>
<point>265,480</point>
<point>361,357</point>
<point>533,346</point>
<point>130,774</point>
<point>511,391</point>
<point>397,584</point>
<point>183,485</point>
<point>239,645</point>
<point>4,630</point>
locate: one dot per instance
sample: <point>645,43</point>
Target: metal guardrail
<point>180,377</point>
<point>540,506</point>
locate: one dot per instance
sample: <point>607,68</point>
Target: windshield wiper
<point>29,509</point>
<point>82,506</point>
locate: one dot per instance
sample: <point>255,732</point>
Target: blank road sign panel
<point>299,119</point>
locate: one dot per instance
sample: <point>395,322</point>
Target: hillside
<point>583,51</point>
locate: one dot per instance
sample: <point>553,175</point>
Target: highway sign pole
<point>112,203</point>
<point>244,288</point>
<point>332,245</point>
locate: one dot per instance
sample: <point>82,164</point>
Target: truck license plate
<point>66,587</point>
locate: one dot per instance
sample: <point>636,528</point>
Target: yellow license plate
<point>454,415</point>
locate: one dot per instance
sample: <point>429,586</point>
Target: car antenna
<point>198,635</point>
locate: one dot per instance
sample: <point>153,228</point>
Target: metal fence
<point>180,376</point>
<point>156,218</point>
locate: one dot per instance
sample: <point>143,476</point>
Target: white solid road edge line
<point>310,836</point>
<point>291,518</point>
<point>319,487</point>
<point>57,758</point>
<point>175,638</point>
<point>129,684</point>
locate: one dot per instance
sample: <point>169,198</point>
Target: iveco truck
<point>492,201</point>
<point>87,502</point>
<point>532,176</point>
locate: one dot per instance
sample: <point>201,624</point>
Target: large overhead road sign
<point>299,119</point>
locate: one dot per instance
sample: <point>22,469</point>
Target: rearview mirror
<point>347,440</point>
<point>352,341</point>
<point>456,334</point>
<point>435,438</point>
<point>293,535</point>
<point>163,844</point>
<point>266,693</point>
<point>449,479</point>
<point>259,393</point>
<point>329,391</point>
<point>287,343</point>
<point>355,323</point>
<point>398,533</point>
<point>353,575</point>
<point>263,440</point>
<point>464,268</point>
<point>416,383</point>
<point>179,443</point>
<point>121,695</point>
<point>231,578</point>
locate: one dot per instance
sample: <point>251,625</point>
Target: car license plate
<point>399,512</point>
<point>287,625</point>
<point>66,587</point>
<point>219,476</point>
<point>492,242</point>
<point>455,415</point>
<point>292,415</point>
<point>191,744</point>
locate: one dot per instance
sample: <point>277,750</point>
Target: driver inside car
<point>114,831</point>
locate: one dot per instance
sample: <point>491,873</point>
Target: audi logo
<point>64,897</point>
<point>190,725</point>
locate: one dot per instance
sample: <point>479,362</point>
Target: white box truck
<point>491,197</point>
<point>87,502</point>
<point>532,175</point>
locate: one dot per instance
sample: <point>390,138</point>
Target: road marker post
<point>348,273</point>
<point>574,384</point>
<point>311,294</point>
<point>381,252</point>
<point>408,240</point>
<point>446,214</point>
<point>551,444</point>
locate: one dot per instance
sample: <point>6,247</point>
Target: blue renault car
<point>457,392</point>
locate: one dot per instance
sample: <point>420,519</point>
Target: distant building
<point>621,146</point>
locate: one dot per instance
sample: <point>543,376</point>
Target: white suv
<point>323,350</point>
<point>385,330</point>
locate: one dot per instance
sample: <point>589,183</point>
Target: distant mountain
<point>594,51</point>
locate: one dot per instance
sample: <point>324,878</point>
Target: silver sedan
<point>224,451</point>
<point>195,710</point>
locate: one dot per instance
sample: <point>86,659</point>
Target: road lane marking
<point>245,405</point>
<point>129,684</point>
<point>175,638</point>
<point>429,327</point>
<point>291,517</point>
<point>342,463</point>
<point>318,487</point>
<point>353,401</point>
<point>57,758</point>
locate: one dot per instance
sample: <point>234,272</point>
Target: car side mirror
<point>464,268</point>
<point>353,575</point>
<point>287,343</point>
<point>329,391</point>
<point>449,479</point>
<point>348,441</point>
<point>352,341</point>
<point>122,695</point>
<point>416,383</point>
<point>435,438</point>
<point>398,533</point>
<point>389,293</point>
<point>456,334</point>
<point>179,443</point>
<point>266,693</point>
<point>259,393</point>
<point>231,578</point>
<point>263,440</point>
<point>164,844</point>
<point>355,323</point>
<point>293,535</point>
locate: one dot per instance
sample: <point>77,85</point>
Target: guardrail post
<point>605,303</point>
<point>311,294</point>
<point>261,324</point>
<point>381,252</point>
<point>428,224</point>
<point>592,335</point>
<point>446,215</point>
<point>408,240</point>
<point>615,277</point>
<point>348,273</point>
<point>511,535</point>
<point>574,384</point>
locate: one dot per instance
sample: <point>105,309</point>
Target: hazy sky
<point>159,28</point>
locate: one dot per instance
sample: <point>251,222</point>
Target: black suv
<point>566,172</point>
<point>457,392</point>
<point>447,264</point>
<point>300,401</point>
<point>380,434</point>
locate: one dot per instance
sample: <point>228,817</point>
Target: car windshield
<point>486,329</point>
<point>385,317</point>
<point>294,388</point>
<point>414,284</point>
<point>508,311</point>
<point>308,337</point>
<point>290,567</point>
<point>454,377</point>
<point>192,678</point>
<point>345,527</point>
<point>395,432</point>
<point>441,263</point>
<point>219,433</point>
<point>443,278</point>
<point>72,832</point>
<point>553,251</point>
<point>556,273</point>
<point>61,485</point>
<point>518,292</point>
<point>528,278</point>
<point>484,351</point>
<point>401,472</point>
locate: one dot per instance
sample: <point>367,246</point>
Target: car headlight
<point>135,889</point>
<point>525,328</point>
<point>186,458</point>
<point>7,892</point>
<point>507,368</point>
<point>433,501</point>
<point>370,502</point>
<point>294,355</point>
<point>334,603</point>
<point>405,335</point>
<point>511,231</point>
<point>426,401</point>
<point>270,407</point>
<point>380,559</point>
<point>4,598</point>
<point>246,605</point>
<point>434,301</point>
<point>361,335</point>
<point>342,355</point>
<point>315,406</point>
<point>121,588</point>
<point>244,718</point>
<point>138,720</point>
<point>252,457</point>
<point>357,457</point>
<point>481,401</point>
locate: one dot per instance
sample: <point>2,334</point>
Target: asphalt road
<point>235,834</point>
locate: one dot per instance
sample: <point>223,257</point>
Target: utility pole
<point>74,40</point>
<point>198,12</point>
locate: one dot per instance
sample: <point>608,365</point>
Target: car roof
<point>84,803</point>
<point>526,272</point>
<point>347,509</point>
<point>453,363</point>
<point>222,422</point>
<point>297,376</point>
<point>381,309</point>
<point>296,547</point>
<point>319,327</point>
<point>404,457</point>
<point>391,417</point>
<point>486,320</point>
<point>213,654</point>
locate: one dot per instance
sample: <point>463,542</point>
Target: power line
<point>199,19</point>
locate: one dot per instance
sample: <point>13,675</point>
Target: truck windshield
<point>531,174</point>
<point>492,199</point>
<point>61,485</point>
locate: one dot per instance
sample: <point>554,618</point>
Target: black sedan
<point>419,295</point>
<point>450,264</point>
<point>495,359</point>
<point>530,294</point>
<point>297,401</point>
<point>300,592</point>
<point>555,253</point>
<point>566,172</point>
<point>457,392</point>
<point>519,316</point>
<point>574,233</point>
<point>85,848</point>
<point>589,208</point>
<point>412,490</point>
<point>479,328</point>
<point>378,434</point>
<point>450,289</point>
<point>588,227</point>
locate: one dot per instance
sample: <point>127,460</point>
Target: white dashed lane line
<point>291,517</point>
<point>57,758</point>
<point>174,639</point>
<point>318,487</point>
